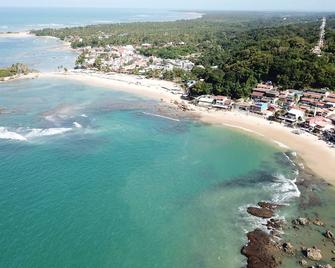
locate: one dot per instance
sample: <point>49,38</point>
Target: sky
<point>267,5</point>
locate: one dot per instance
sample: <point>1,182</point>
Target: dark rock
<point>261,251</point>
<point>260,212</point>
<point>268,205</point>
<point>328,234</point>
<point>318,222</point>
<point>288,248</point>
<point>300,221</point>
<point>313,253</point>
<point>275,224</point>
<point>303,262</point>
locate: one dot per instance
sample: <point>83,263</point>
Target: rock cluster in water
<point>266,248</point>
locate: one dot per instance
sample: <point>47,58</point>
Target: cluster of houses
<point>310,110</point>
<point>127,59</point>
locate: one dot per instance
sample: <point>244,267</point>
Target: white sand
<point>15,34</point>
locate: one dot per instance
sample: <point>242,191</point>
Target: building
<point>222,102</point>
<point>319,124</point>
<point>259,107</point>
<point>293,116</point>
<point>205,101</point>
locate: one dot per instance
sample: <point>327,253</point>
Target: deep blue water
<point>22,19</point>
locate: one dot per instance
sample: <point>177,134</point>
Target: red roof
<point>307,99</point>
<point>313,95</point>
<point>262,89</point>
<point>332,100</point>
<point>319,121</point>
<point>220,97</point>
<point>257,94</point>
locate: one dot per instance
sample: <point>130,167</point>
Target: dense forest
<point>232,50</point>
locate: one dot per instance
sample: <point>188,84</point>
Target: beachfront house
<point>293,116</point>
<point>222,102</point>
<point>205,101</point>
<point>259,107</point>
<point>318,124</point>
<point>330,100</point>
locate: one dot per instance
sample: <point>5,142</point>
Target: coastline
<point>16,34</point>
<point>316,154</point>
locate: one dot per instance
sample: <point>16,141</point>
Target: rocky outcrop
<point>318,222</point>
<point>271,206</point>
<point>260,212</point>
<point>288,248</point>
<point>261,251</point>
<point>300,221</point>
<point>275,224</point>
<point>303,262</point>
<point>328,234</point>
<point>313,253</point>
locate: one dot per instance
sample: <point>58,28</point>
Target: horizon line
<point>182,9</point>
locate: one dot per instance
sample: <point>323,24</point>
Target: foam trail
<point>285,189</point>
<point>46,132</point>
<point>162,116</point>
<point>282,145</point>
<point>9,135</point>
<point>77,125</point>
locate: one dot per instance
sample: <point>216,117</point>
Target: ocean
<point>93,177</point>
<point>90,178</point>
<point>24,19</point>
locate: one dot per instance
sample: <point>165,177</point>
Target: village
<point>127,59</point>
<point>310,110</point>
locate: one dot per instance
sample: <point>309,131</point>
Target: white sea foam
<point>289,159</point>
<point>162,116</point>
<point>37,132</point>
<point>10,135</point>
<point>77,125</point>
<point>250,222</point>
<point>284,189</point>
<point>84,115</point>
<point>282,145</point>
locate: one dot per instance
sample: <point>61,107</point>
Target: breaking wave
<point>46,132</point>
<point>5,134</point>
<point>284,189</point>
<point>77,125</point>
<point>27,134</point>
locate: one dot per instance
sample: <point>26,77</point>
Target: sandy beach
<point>316,154</point>
<point>15,34</point>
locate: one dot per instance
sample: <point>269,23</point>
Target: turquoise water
<point>23,19</point>
<point>90,179</point>
<point>95,178</point>
<point>42,54</point>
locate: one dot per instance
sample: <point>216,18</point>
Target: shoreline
<point>316,154</point>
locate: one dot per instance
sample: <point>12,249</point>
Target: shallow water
<point>121,187</point>
<point>41,54</point>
